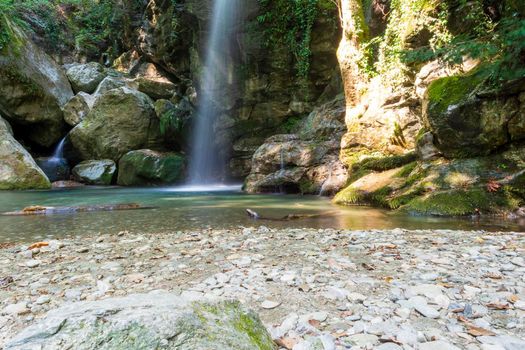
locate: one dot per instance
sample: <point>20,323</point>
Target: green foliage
<point>290,23</point>
<point>498,42</point>
<point>91,27</point>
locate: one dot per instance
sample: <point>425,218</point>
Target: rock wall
<point>264,94</point>
<point>427,137</point>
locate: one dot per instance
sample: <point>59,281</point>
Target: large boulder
<point>305,162</point>
<point>85,77</point>
<point>147,167</point>
<point>121,120</point>
<point>95,172</point>
<point>158,320</point>
<point>33,88</point>
<point>18,170</point>
<point>466,121</point>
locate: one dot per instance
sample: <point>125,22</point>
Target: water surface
<point>184,208</point>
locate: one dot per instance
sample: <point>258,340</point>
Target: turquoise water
<point>183,208</point>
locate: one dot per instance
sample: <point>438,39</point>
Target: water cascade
<point>55,166</point>
<point>207,162</point>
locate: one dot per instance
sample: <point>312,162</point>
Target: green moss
<point>462,202</point>
<point>449,91</point>
<point>385,163</point>
<point>243,321</point>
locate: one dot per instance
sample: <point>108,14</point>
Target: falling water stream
<point>207,160</point>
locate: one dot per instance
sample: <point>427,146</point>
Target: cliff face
<point>426,133</point>
<point>157,48</point>
<point>264,95</point>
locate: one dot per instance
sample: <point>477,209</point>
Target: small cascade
<point>58,153</point>
<point>207,162</point>
<point>55,166</point>
<point>281,171</point>
<point>322,191</point>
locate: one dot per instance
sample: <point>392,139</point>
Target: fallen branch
<point>41,210</point>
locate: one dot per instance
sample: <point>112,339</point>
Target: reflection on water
<point>190,208</point>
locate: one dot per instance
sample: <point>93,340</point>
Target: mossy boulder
<point>120,121</point>
<point>464,122</point>
<point>18,170</point>
<point>461,202</point>
<point>158,320</point>
<point>85,77</point>
<point>483,185</point>
<point>146,167</point>
<point>95,172</point>
<point>33,88</point>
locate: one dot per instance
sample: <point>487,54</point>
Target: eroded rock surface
<point>147,321</point>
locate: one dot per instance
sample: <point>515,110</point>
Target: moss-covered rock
<point>120,121</point>
<point>158,320</point>
<point>147,167</point>
<point>18,170</point>
<point>464,124</point>
<point>461,202</point>
<point>482,185</point>
<point>95,172</point>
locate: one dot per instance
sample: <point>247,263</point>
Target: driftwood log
<point>254,215</point>
<point>42,210</point>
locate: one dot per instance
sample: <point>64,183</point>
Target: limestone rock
<point>109,83</point>
<point>120,121</point>
<point>306,162</point>
<point>151,81</point>
<point>147,167</point>
<point>85,77</point>
<point>465,123</point>
<point>95,172</point>
<point>77,108</point>
<point>133,322</point>
<point>18,170</point>
<point>33,89</point>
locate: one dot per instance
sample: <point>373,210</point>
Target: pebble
<point>437,345</point>
<point>327,289</point>
<point>269,304</point>
<point>33,263</point>
<point>16,309</point>
<point>44,299</point>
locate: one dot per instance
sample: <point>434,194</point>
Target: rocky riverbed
<point>314,289</point>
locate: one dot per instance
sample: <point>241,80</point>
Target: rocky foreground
<point>314,289</point>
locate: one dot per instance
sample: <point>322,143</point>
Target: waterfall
<point>207,161</point>
<point>58,153</point>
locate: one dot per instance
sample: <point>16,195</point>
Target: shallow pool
<point>182,208</point>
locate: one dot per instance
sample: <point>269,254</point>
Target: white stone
<point>270,304</point>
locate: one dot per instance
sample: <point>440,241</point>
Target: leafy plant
<point>290,23</point>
